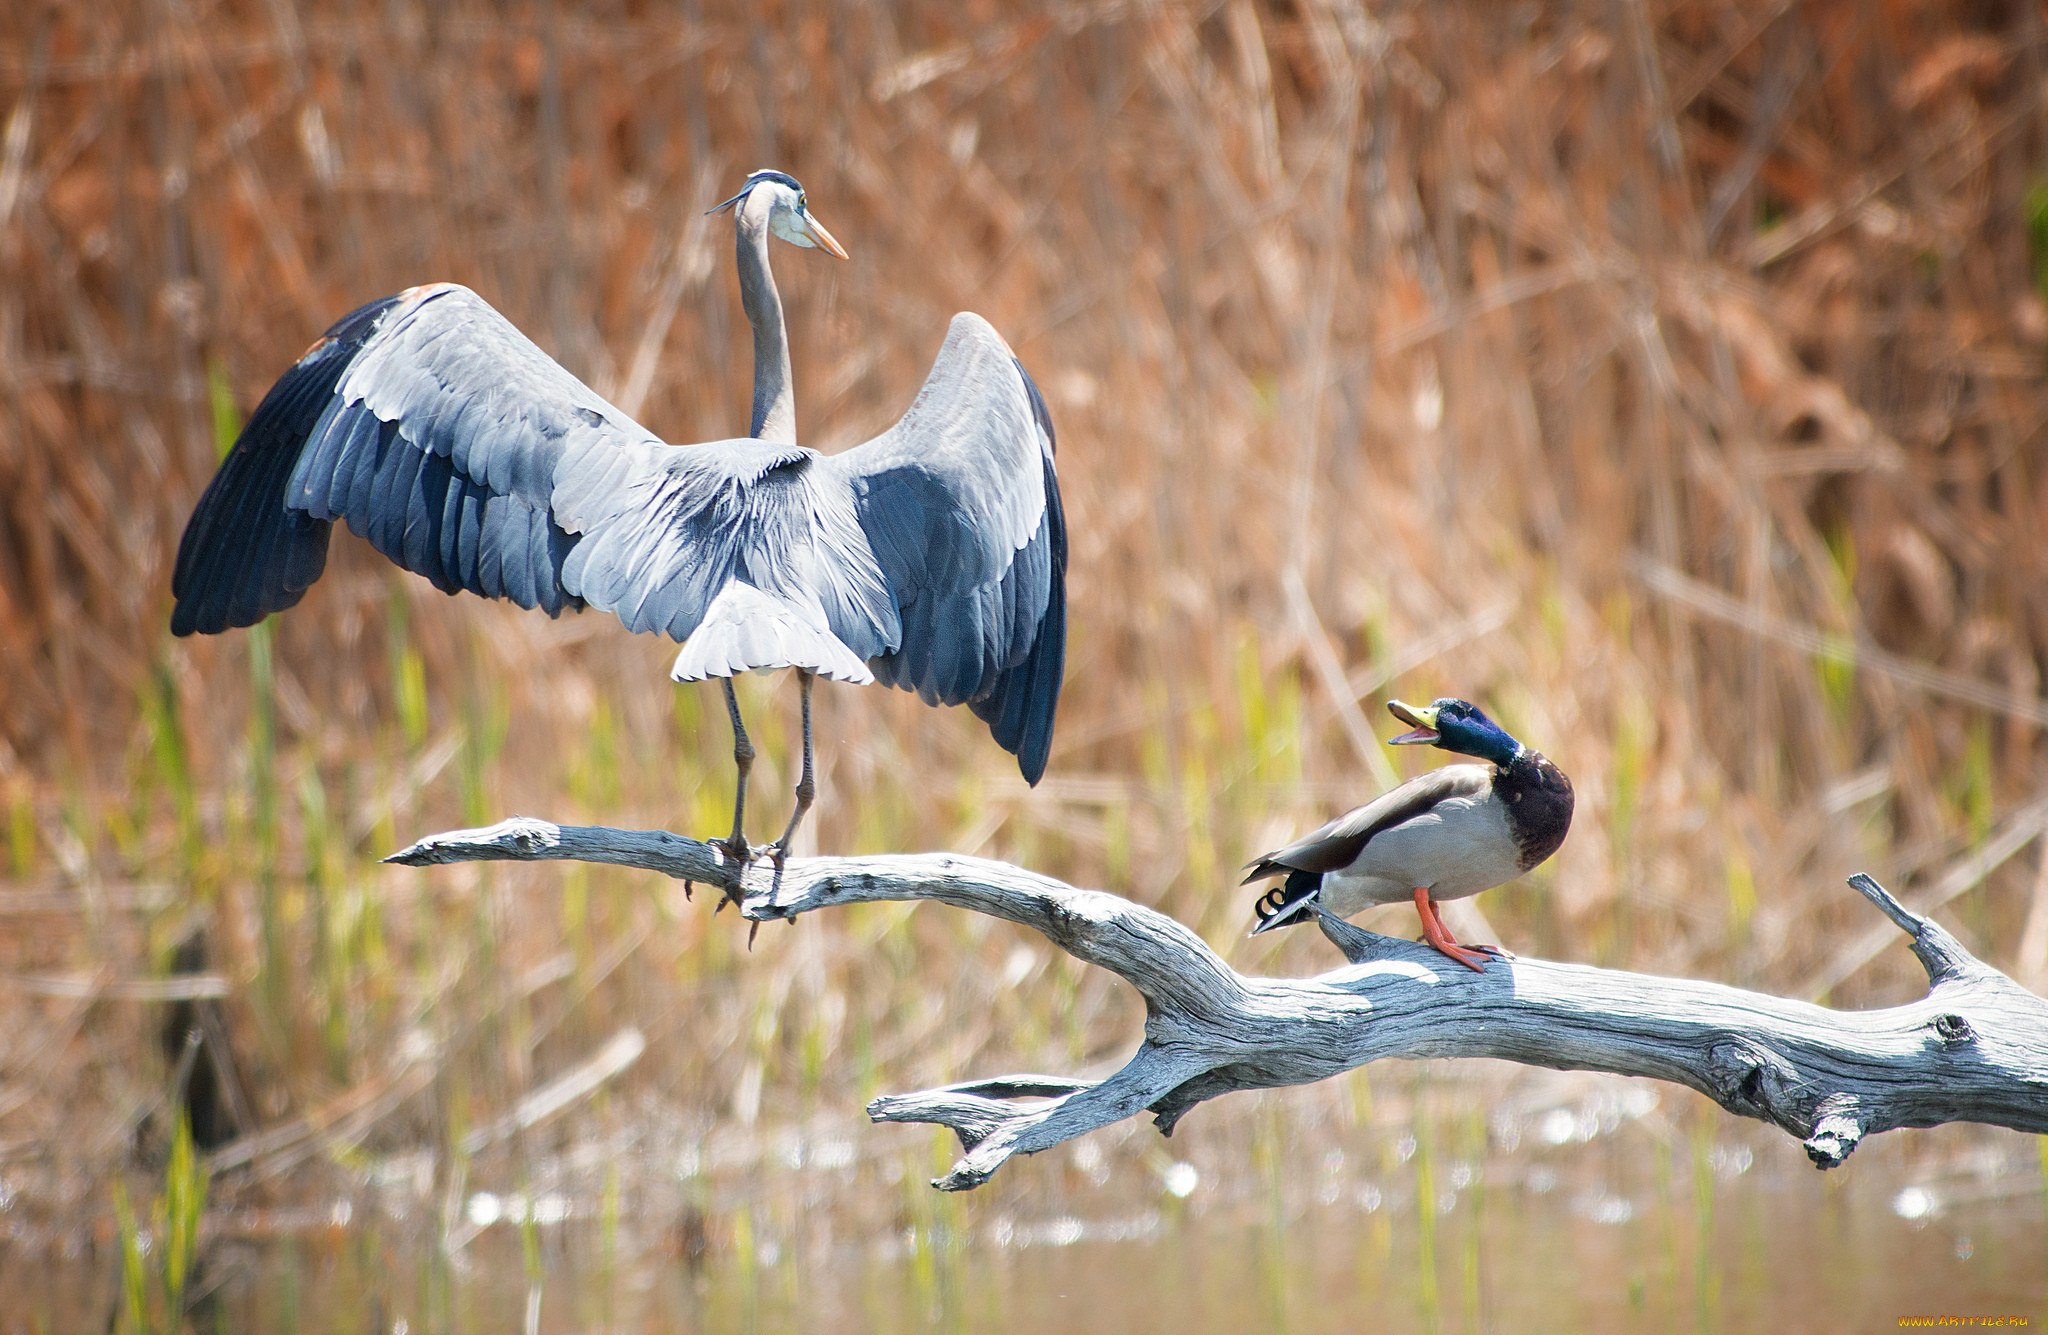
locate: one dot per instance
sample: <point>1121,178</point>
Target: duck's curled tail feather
<point>1290,902</point>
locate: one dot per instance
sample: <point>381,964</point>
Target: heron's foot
<point>737,851</point>
<point>739,855</point>
<point>773,853</point>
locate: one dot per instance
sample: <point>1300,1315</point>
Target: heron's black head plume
<point>747,187</point>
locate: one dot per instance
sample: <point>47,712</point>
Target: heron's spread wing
<point>432,426</point>
<point>960,507</point>
<point>463,452</point>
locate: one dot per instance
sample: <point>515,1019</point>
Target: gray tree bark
<point>1974,1049</point>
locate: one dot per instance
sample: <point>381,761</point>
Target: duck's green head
<point>1454,725</point>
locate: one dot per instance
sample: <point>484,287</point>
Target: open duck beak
<point>1420,719</point>
<point>826,241</point>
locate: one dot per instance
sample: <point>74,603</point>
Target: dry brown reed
<point>1666,376</point>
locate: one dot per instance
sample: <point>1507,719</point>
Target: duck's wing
<point>960,506</point>
<point>1340,843</point>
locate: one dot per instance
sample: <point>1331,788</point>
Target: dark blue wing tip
<point>244,554</point>
<point>1047,664</point>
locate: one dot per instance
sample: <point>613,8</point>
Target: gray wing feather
<point>441,445</point>
<point>464,453</point>
<point>959,504</point>
<point>429,424</point>
<point>1338,844</point>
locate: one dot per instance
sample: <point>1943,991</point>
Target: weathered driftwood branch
<point>1974,1049</point>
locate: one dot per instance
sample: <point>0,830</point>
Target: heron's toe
<point>738,852</point>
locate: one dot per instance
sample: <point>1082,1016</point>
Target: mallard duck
<point>1442,835</point>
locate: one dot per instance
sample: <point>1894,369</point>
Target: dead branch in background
<point>1974,1049</point>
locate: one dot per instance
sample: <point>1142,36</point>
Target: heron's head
<point>1454,725</point>
<point>789,216</point>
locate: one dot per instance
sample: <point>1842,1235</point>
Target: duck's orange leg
<point>1439,936</point>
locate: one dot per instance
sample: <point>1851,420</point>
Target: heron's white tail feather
<point>746,628</point>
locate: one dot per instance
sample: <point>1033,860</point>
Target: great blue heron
<point>932,557</point>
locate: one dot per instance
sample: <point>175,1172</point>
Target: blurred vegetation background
<point>1665,376</point>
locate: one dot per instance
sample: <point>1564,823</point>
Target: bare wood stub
<point>1974,1049</point>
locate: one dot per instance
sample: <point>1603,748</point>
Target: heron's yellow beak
<point>1421,720</point>
<point>826,241</point>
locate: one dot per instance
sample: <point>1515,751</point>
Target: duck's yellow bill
<point>1421,720</point>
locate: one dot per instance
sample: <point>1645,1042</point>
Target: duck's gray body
<point>1452,832</point>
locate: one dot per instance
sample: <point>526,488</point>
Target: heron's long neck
<point>774,404</point>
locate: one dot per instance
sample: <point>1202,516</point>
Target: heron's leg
<point>735,845</point>
<point>805,788</point>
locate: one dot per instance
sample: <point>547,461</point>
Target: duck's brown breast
<point>1538,798</point>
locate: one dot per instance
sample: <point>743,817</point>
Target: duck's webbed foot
<point>1472,957</point>
<point>1471,947</point>
<point>1439,937</point>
